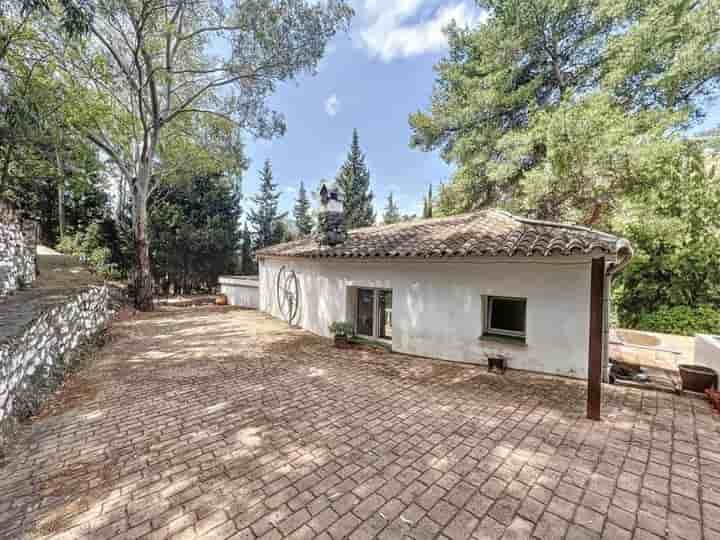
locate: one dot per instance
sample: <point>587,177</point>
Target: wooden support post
<point>597,284</point>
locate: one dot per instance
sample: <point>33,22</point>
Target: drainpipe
<point>623,255</point>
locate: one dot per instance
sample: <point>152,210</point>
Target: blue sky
<point>371,79</point>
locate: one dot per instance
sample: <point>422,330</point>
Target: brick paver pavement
<point>220,423</point>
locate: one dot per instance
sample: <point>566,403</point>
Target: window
<point>505,316</point>
<point>373,317</point>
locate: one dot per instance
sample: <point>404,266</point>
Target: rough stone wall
<point>33,364</point>
<point>18,245</point>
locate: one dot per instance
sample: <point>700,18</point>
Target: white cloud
<point>332,105</point>
<point>403,28</point>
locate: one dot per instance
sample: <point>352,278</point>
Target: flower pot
<point>341,342</point>
<point>697,378</point>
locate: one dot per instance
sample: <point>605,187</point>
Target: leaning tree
<point>175,72</point>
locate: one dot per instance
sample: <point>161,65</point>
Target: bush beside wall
<point>682,320</point>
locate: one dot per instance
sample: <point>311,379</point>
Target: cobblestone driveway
<point>221,423</point>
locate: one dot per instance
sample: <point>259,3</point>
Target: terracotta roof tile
<point>482,233</point>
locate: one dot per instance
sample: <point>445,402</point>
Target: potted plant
<point>342,331</point>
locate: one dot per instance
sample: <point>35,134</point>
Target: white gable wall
<point>438,306</point>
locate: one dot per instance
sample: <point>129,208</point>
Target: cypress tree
<point>392,212</point>
<point>247,265</point>
<point>264,218</point>
<point>354,179</point>
<point>428,204</point>
<point>303,219</point>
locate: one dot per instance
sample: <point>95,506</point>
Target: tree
<point>301,212</point>
<point>167,86</point>
<point>546,106</point>
<point>675,230</point>
<point>76,14</point>
<point>354,180</point>
<point>45,167</point>
<point>392,212</point>
<point>428,204</point>
<point>194,233</point>
<point>267,223</point>
<point>247,264</point>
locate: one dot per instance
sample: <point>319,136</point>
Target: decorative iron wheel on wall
<point>287,294</point>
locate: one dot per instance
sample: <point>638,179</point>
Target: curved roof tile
<point>482,233</point>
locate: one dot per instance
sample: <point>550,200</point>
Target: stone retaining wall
<point>33,363</point>
<point>18,245</point>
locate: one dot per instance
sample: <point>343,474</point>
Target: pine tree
<point>428,204</point>
<point>303,219</point>
<point>392,212</point>
<point>264,218</point>
<point>354,180</point>
<point>247,265</point>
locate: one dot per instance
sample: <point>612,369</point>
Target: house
<point>458,288</point>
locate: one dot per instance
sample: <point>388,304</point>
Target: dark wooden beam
<point>597,284</point>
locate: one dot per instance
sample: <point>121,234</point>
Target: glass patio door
<point>374,313</point>
<point>366,312</point>
<point>385,314</point>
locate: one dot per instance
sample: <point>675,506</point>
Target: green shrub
<point>98,247</point>
<point>341,328</point>
<point>683,320</point>
<point>71,244</point>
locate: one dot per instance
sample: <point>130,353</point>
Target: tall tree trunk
<point>60,190</point>
<point>143,276</point>
<point>61,207</point>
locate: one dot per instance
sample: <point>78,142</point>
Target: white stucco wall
<point>707,351</point>
<point>240,291</point>
<point>438,306</point>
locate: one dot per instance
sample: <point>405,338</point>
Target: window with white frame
<point>505,316</point>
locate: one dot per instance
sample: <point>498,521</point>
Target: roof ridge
<point>545,223</point>
<point>422,221</point>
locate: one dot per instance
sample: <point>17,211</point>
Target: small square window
<point>506,316</point>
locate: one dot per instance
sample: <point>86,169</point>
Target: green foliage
<point>75,16</point>
<point>682,320</point>
<point>675,231</point>
<point>558,108</point>
<point>43,161</point>
<point>342,328</point>
<point>354,180</point>
<point>247,264</point>
<point>428,204</point>
<point>267,224</point>
<point>301,212</point>
<point>392,212</point>
<point>194,233</point>
<point>101,247</point>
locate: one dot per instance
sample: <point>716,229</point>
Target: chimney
<point>331,219</point>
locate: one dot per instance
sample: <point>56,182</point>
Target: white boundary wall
<point>240,290</point>
<point>438,305</point>
<point>707,351</point>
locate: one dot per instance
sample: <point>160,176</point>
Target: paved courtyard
<point>222,423</point>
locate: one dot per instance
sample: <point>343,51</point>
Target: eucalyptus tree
<point>168,69</point>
